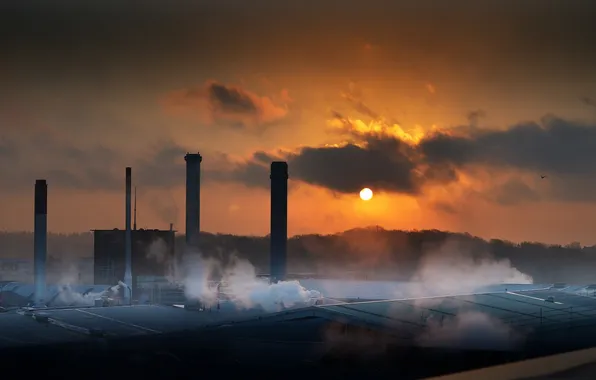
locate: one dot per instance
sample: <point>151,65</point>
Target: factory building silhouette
<point>122,255</point>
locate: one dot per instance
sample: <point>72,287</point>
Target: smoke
<point>454,268</point>
<point>68,290</point>
<point>451,268</point>
<point>240,284</point>
<point>470,330</point>
<point>69,296</point>
<point>198,276</point>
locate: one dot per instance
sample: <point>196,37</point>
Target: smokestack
<point>40,240</point>
<point>128,240</point>
<point>279,220</point>
<point>193,199</point>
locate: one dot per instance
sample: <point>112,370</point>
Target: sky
<point>449,111</point>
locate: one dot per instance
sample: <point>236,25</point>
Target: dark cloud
<point>227,105</point>
<point>564,150</point>
<point>381,164</point>
<point>554,145</point>
<point>230,99</point>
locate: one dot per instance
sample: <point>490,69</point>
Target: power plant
<point>548,315</point>
<point>123,256</point>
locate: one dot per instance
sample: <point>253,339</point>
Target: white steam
<point>240,285</point>
<point>69,296</point>
<point>454,269</point>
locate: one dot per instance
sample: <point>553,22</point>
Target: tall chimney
<point>128,240</point>
<point>279,220</point>
<point>193,199</point>
<point>40,240</point>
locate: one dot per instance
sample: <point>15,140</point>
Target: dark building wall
<point>109,255</point>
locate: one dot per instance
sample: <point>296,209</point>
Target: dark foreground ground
<point>186,356</point>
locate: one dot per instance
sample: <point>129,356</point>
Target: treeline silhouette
<point>364,252</point>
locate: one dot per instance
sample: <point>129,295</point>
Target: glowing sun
<point>366,194</point>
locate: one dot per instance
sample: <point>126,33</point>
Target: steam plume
<point>456,269</point>
<point>241,285</point>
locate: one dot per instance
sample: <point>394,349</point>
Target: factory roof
<point>61,325</point>
<point>558,316</point>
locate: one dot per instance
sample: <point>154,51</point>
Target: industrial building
<point>152,255</point>
<point>330,337</point>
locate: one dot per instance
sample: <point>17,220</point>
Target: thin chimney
<point>128,240</point>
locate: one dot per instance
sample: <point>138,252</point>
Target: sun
<point>366,194</point>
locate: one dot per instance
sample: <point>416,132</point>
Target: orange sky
<point>101,90</point>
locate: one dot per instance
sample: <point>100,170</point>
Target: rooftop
<point>568,322</point>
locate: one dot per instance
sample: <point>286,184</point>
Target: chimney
<point>128,240</point>
<point>40,240</point>
<point>279,220</point>
<point>193,199</point>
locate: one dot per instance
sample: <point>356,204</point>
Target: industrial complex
<point>416,337</point>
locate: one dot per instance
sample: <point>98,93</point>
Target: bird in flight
<point>542,177</point>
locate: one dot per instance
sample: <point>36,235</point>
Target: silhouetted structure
<point>193,199</point>
<point>128,243</point>
<point>150,257</point>
<point>40,239</point>
<point>279,220</point>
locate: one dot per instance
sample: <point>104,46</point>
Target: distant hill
<point>371,252</point>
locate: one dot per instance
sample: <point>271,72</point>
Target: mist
<point>454,268</point>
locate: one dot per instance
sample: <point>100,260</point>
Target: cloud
<point>389,159</point>
<point>553,145</point>
<point>219,104</point>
